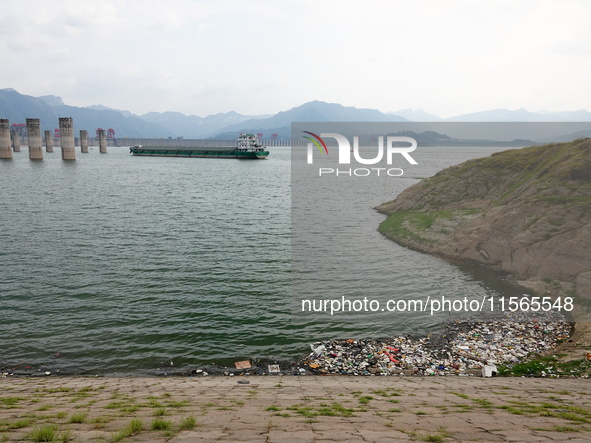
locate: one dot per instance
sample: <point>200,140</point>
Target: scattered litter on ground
<point>243,364</point>
<point>466,348</point>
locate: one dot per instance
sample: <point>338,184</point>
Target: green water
<point>120,264</point>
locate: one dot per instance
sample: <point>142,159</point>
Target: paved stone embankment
<point>296,409</point>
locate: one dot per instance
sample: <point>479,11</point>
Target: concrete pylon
<point>48,141</point>
<point>67,138</point>
<point>5,148</point>
<point>34,139</point>
<point>102,141</point>
<point>83,141</point>
<point>16,141</point>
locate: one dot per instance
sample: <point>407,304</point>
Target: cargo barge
<point>247,147</point>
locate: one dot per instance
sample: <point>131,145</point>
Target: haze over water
<point>125,264</point>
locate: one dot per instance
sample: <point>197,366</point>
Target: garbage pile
<point>464,348</point>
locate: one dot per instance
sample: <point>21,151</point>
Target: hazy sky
<point>262,56</point>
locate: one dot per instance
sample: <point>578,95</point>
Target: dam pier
<point>34,137</point>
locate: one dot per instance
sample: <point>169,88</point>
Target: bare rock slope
<point>524,212</point>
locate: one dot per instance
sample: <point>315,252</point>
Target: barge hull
<point>235,154</point>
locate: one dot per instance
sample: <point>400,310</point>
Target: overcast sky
<point>263,56</point>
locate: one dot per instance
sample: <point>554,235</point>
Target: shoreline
<point>516,214</point>
<point>504,345</point>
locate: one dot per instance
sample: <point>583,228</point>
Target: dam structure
<point>84,141</point>
<point>34,139</point>
<point>102,141</point>
<point>67,138</point>
<point>16,141</point>
<point>48,141</point>
<point>5,148</point>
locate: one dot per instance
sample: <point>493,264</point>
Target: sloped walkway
<point>296,409</point>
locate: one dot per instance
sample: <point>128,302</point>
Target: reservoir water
<point>120,264</point>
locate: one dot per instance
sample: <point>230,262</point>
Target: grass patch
<point>273,408</point>
<point>334,410</point>
<point>82,392</point>
<point>10,401</point>
<point>116,405</point>
<point>432,437</point>
<point>463,407</point>
<point>409,225</point>
<point>79,417</point>
<point>123,406</point>
<point>545,409</point>
<point>154,404</point>
<point>572,416</point>
<point>135,426</point>
<point>483,403</point>
<point>100,421</point>
<point>129,409</point>
<point>365,399</point>
<point>44,433</point>
<point>565,429</point>
<point>17,424</point>
<point>549,365</point>
<point>550,391</point>
<point>439,437</point>
<point>187,423</point>
<point>56,390</point>
<point>65,435</point>
<point>385,393</point>
<point>177,404</point>
<point>161,425</point>
<point>401,226</point>
<point>557,428</point>
<point>514,411</point>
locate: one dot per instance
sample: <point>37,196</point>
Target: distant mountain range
<point>18,107</point>
<point>192,126</point>
<point>499,115</point>
<point>315,111</point>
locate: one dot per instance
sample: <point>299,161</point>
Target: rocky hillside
<point>525,212</point>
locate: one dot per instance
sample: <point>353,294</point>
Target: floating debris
<point>466,348</point>
<point>243,364</point>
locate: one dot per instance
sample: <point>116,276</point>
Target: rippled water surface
<point>124,264</point>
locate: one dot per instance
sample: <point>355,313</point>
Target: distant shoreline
<point>523,213</point>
